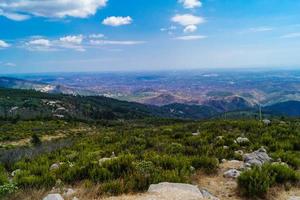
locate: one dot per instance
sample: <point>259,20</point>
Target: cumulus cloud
<point>115,42</point>
<point>3,44</point>
<point>39,45</point>
<point>22,10</point>
<point>190,29</point>
<point>188,19</point>
<point>191,37</point>
<point>117,21</point>
<point>72,39</point>
<point>71,42</point>
<point>189,4</point>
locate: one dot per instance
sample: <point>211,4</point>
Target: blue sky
<point>121,35</point>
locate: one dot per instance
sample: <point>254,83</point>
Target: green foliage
<point>257,181</point>
<point>114,187</point>
<point>3,176</point>
<point>146,152</point>
<point>35,140</point>
<point>208,164</point>
<point>7,189</point>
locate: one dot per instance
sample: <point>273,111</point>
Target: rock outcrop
<point>256,158</point>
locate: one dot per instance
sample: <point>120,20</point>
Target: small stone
<point>53,197</point>
<point>69,192</point>
<point>242,140</point>
<point>232,173</point>
<point>14,173</point>
<point>239,152</point>
<point>54,166</point>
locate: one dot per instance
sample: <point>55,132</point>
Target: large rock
<point>256,158</point>
<point>53,197</point>
<point>232,173</point>
<point>176,191</point>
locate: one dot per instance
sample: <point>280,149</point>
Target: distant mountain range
<point>48,100</point>
<point>15,83</point>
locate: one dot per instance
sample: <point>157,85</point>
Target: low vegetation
<point>127,156</point>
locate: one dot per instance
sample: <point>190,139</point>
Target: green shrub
<point>7,189</point>
<point>100,174</point>
<point>119,166</point>
<point>72,174</point>
<point>175,148</point>
<point>208,164</point>
<point>35,140</point>
<point>283,173</point>
<point>255,182</point>
<point>3,176</point>
<point>114,187</point>
<point>33,181</point>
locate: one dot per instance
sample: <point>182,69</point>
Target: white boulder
<point>180,190</point>
<point>53,197</point>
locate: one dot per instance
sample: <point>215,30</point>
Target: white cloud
<point>291,35</point>
<point>115,42</point>
<point>14,16</point>
<point>72,39</point>
<point>191,37</point>
<point>3,44</point>
<point>22,10</point>
<point>71,42</point>
<point>39,45</point>
<point>117,21</point>
<point>190,29</point>
<point>189,4</point>
<point>68,42</point>
<point>188,19</point>
<point>96,36</point>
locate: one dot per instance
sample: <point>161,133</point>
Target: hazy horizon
<point>111,35</point>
